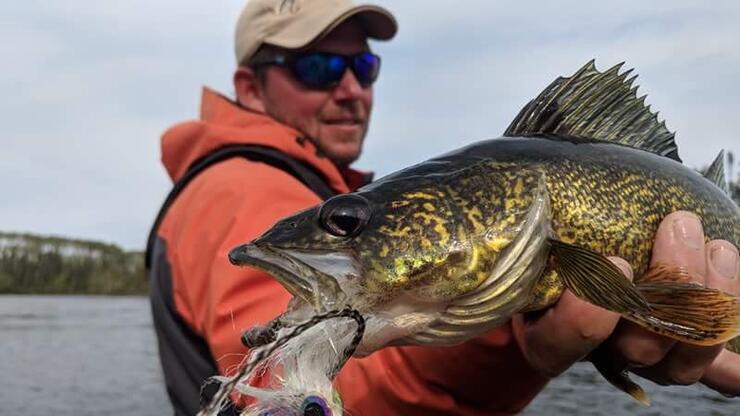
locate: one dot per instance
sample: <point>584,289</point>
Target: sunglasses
<point>323,70</point>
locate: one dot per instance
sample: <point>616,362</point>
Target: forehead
<point>347,38</point>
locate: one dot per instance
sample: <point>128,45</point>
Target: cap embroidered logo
<point>292,6</point>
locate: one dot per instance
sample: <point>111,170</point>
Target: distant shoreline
<point>73,295</point>
<point>45,265</point>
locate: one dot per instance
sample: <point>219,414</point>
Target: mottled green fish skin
<point>606,197</point>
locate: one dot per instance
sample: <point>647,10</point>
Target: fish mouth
<point>298,271</point>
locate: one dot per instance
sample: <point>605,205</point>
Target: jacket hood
<point>223,122</point>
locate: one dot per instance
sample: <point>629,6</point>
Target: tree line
<point>32,264</point>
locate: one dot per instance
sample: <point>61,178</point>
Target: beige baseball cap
<point>294,24</point>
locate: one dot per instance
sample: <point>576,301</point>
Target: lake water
<point>80,355</point>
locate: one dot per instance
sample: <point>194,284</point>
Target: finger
<point>723,273</point>
<point>723,375</point>
<point>679,242</point>
<point>638,346</point>
<point>723,266</point>
<point>567,332</point>
<point>685,364</point>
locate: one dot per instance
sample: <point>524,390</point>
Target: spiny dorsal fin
<point>716,172</point>
<point>596,105</point>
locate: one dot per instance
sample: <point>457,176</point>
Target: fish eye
<point>315,406</point>
<point>345,215</point>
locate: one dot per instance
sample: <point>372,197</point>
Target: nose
<point>348,88</point>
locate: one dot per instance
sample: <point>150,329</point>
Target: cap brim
<point>378,22</point>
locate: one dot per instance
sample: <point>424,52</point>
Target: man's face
<point>337,118</point>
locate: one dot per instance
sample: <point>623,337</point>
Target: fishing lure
<point>294,367</point>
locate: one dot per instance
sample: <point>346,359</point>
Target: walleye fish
<point>452,247</point>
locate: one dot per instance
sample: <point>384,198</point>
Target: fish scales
<point>608,197</point>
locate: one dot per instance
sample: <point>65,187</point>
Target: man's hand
<point>572,328</point>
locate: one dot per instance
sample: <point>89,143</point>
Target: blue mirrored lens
<point>319,69</point>
<point>323,70</point>
<point>366,67</point>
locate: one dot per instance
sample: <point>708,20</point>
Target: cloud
<point>90,86</point>
<point>477,71</point>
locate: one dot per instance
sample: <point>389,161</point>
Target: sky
<point>88,87</point>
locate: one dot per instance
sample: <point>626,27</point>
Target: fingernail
<point>724,259</point>
<point>688,230</point>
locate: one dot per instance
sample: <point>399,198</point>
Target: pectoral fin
<point>592,277</point>
<point>689,312</point>
<point>664,301</point>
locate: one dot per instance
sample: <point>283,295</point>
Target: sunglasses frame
<point>288,60</point>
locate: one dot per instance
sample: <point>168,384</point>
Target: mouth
<point>295,271</point>
<point>344,122</point>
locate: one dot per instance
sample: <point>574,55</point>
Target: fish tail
<point>689,312</point>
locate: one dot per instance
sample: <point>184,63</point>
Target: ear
<point>248,89</point>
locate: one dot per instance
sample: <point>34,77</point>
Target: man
<point>304,88</point>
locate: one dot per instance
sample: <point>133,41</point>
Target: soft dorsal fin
<point>716,172</point>
<point>596,105</point>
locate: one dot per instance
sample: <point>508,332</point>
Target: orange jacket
<point>235,201</point>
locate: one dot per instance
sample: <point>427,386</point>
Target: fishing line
<point>263,352</point>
